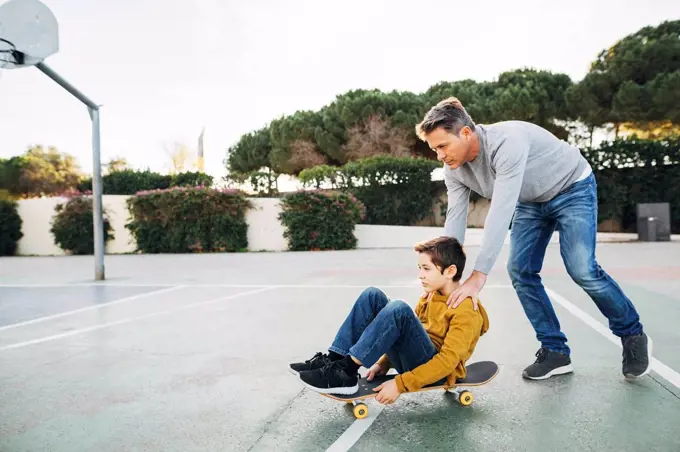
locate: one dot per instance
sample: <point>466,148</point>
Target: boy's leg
<point>413,348</point>
<point>394,322</point>
<point>576,213</point>
<point>529,237</point>
<point>371,301</point>
<point>398,332</point>
<point>366,308</point>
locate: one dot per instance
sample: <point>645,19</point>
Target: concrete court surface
<point>189,352</point>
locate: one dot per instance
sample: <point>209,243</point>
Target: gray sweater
<point>517,161</point>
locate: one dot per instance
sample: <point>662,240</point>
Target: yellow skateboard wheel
<point>465,398</point>
<point>360,411</point>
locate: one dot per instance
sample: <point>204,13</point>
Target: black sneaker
<point>334,378</point>
<point>316,362</point>
<point>548,364</point>
<point>637,354</point>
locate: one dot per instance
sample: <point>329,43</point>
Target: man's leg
<point>576,213</point>
<point>529,237</point>
<point>367,305</point>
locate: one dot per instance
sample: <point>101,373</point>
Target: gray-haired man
<point>542,184</point>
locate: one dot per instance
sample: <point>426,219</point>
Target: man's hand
<point>470,288</point>
<point>375,371</point>
<point>389,392</point>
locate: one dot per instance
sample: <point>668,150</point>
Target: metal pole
<point>97,216</point>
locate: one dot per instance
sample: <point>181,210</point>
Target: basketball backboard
<point>29,33</point>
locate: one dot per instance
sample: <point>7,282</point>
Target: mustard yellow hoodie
<point>454,332</point>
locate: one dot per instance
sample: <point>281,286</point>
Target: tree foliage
<point>366,123</point>
<point>39,172</point>
<point>634,85</point>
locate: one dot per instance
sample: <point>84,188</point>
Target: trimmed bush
<point>395,190</point>
<point>10,227</point>
<point>189,220</point>
<point>72,226</point>
<point>317,220</point>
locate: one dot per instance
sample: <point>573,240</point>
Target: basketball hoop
<point>9,55</point>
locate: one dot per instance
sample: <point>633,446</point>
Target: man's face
<point>451,149</point>
<point>431,278</point>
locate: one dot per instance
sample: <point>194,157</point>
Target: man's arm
<point>458,196</point>
<point>510,161</point>
<point>465,328</point>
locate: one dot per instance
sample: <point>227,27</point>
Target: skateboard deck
<point>478,374</point>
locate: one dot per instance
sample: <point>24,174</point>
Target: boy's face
<point>431,278</point>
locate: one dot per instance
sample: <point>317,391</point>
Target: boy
<point>430,345</point>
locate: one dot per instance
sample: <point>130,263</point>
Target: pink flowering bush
<point>189,220</point>
<point>316,220</point>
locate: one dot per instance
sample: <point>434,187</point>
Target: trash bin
<point>654,222</point>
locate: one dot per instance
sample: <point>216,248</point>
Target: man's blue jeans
<point>574,214</point>
<point>376,326</point>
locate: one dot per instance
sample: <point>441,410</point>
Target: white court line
<point>128,320</point>
<point>354,432</point>
<point>280,286</point>
<point>666,372</point>
<point>89,308</point>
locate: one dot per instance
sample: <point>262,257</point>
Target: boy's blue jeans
<point>376,326</point>
<point>574,214</point>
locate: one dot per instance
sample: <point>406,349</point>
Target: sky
<point>162,70</point>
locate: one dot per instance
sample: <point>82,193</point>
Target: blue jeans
<point>574,214</point>
<point>376,326</point>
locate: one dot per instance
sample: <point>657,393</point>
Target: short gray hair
<point>448,114</point>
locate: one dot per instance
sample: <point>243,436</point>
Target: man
<point>542,184</point>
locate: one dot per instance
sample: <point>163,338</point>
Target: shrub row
<point>634,171</point>
<point>195,219</point>
<point>129,182</point>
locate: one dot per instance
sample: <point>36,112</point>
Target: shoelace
<point>630,349</point>
<point>541,354</point>
<point>318,355</point>
<point>334,366</point>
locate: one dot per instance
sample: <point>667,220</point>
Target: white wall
<point>265,232</point>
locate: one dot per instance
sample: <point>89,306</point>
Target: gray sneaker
<point>637,355</point>
<point>548,364</point>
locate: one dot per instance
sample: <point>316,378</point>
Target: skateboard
<point>478,374</point>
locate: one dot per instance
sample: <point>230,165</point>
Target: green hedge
<point>72,226</point>
<point>636,171</point>
<point>189,220</point>
<point>10,227</point>
<point>395,190</point>
<point>129,182</point>
<point>315,220</point>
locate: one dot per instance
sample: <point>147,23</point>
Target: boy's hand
<point>470,288</point>
<point>375,371</point>
<point>389,392</point>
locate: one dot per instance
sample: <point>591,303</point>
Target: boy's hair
<point>448,114</point>
<point>444,251</point>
